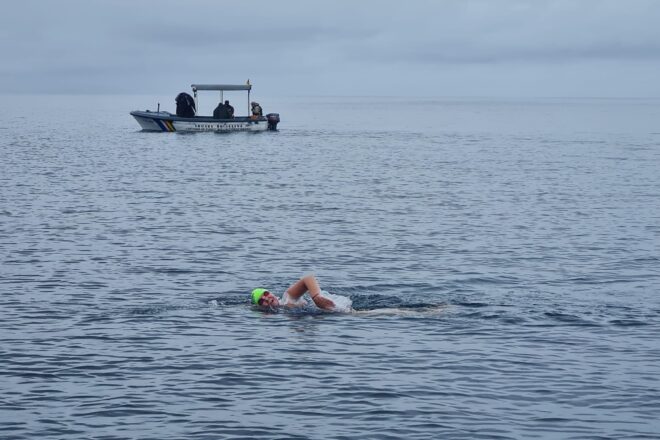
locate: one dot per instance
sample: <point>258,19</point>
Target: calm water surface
<point>503,259</point>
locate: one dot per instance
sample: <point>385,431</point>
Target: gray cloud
<point>340,47</point>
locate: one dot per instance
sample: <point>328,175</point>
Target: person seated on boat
<point>230,110</point>
<point>256,110</point>
<point>221,112</point>
<point>293,296</point>
<point>185,105</point>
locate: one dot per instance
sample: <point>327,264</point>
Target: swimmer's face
<point>268,300</point>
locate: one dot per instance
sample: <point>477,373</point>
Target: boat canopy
<point>221,87</point>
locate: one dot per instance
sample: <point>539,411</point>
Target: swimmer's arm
<point>309,283</point>
<point>302,286</point>
<point>323,303</point>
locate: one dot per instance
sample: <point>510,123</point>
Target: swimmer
<point>293,295</point>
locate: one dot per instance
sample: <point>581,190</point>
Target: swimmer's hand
<point>323,303</point>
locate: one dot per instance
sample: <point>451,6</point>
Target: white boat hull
<point>165,121</point>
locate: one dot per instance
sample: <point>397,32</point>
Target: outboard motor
<point>185,105</point>
<point>273,120</point>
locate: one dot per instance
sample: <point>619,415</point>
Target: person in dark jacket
<point>185,105</point>
<point>230,110</point>
<point>221,112</point>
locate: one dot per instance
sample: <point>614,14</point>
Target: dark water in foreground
<point>503,259</point>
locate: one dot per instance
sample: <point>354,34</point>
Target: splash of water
<point>343,304</point>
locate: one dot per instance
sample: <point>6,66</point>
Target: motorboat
<point>187,119</point>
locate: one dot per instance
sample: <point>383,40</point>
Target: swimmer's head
<point>257,294</point>
<point>263,298</point>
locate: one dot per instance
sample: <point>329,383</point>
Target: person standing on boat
<point>230,110</point>
<point>185,105</point>
<point>256,109</point>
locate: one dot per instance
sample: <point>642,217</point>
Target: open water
<point>502,258</point>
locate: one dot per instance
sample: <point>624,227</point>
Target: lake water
<point>502,257</point>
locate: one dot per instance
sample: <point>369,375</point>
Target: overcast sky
<point>499,48</point>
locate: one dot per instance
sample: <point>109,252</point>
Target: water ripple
<point>503,276</point>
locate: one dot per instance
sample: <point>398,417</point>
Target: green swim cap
<point>257,294</point>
